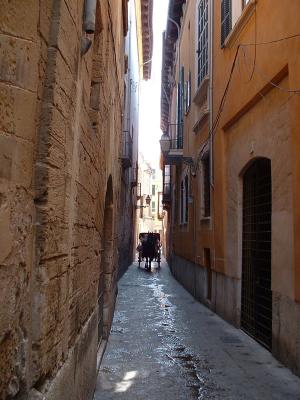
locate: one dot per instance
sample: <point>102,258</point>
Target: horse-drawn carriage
<point>149,249</point>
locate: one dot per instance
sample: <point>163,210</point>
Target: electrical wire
<point>296,35</point>
<point>270,81</point>
<point>255,46</point>
<point>256,69</point>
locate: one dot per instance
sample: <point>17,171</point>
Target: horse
<point>149,250</point>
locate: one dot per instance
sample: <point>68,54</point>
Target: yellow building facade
<point>230,113</point>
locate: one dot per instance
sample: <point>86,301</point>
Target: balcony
<point>126,152</point>
<point>173,144</point>
<point>166,199</point>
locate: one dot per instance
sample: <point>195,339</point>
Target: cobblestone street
<point>166,345</point>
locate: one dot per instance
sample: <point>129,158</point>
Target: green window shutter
<point>226,20</point>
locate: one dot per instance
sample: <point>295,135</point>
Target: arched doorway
<point>105,285</point>
<point>256,309</point>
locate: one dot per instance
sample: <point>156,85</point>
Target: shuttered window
<point>226,20</point>
<point>187,96</point>
<point>180,109</point>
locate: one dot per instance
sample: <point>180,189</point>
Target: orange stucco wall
<point>252,101</point>
<point>257,119</point>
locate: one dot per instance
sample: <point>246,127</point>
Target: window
<point>202,50</point>
<point>187,95</point>
<point>153,190</point>
<point>153,174</point>
<point>186,195</point>
<point>226,19</point>
<point>153,206</point>
<point>184,200</point>
<point>206,186</point>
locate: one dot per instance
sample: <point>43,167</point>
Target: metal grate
<point>256,312</point>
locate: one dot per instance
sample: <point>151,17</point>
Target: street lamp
<point>148,201</point>
<point>165,143</point>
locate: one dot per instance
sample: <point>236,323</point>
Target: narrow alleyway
<point>165,345</point>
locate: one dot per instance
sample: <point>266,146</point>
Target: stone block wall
<point>60,132</point>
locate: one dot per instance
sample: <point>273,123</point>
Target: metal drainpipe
<point>211,148</point>
<point>89,16</point>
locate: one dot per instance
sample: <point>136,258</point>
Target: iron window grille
<point>202,51</point>
<point>256,302</point>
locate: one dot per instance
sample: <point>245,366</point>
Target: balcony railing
<point>133,177</point>
<point>166,193</point>
<point>126,154</point>
<point>176,135</point>
<point>174,155</point>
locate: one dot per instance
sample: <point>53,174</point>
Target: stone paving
<point>164,345</point>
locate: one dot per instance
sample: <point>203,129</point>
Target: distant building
<point>230,117</point>
<point>149,218</point>
<point>138,55</point>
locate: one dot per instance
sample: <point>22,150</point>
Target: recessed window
<point>205,176</point>
<point>153,190</point>
<point>184,203</point>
